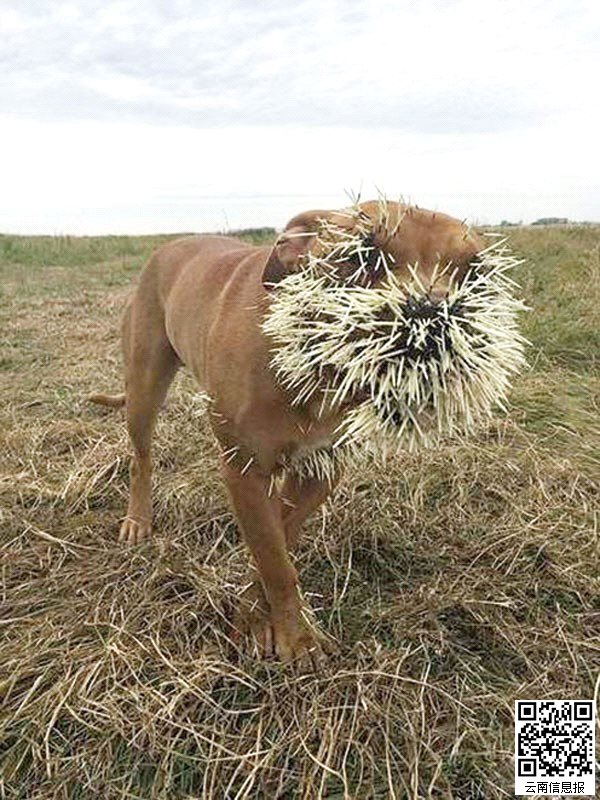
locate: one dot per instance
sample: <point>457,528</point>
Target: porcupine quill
<point>428,369</point>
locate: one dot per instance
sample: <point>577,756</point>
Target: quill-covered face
<point>398,315</point>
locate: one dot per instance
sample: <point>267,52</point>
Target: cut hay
<point>120,676</point>
<point>456,581</point>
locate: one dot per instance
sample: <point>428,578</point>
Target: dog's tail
<point>110,400</point>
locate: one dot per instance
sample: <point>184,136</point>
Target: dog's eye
<point>471,267</point>
<point>467,269</point>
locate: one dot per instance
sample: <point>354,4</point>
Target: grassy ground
<point>457,581</point>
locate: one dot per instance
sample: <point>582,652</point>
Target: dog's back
<point>191,256</point>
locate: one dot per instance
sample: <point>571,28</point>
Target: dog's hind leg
<point>150,366</point>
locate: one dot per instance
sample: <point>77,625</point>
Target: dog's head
<point>400,315</point>
<point>434,247</point>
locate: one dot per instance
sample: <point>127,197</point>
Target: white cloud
<point>92,177</point>
<point>144,116</point>
<point>11,21</point>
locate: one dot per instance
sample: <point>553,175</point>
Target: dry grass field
<point>456,581</point>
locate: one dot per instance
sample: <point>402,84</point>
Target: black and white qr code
<point>554,747</point>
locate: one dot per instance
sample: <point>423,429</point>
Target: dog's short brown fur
<point>199,302</point>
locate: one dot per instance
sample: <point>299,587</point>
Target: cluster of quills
<point>323,463</point>
<point>410,371</point>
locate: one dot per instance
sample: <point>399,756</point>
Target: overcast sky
<point>139,116</point>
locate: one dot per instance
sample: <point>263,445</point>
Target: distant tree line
<point>551,221</point>
<point>541,221</point>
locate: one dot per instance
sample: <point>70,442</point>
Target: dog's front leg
<point>286,632</point>
<point>301,497</point>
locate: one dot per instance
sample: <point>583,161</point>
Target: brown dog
<point>200,302</point>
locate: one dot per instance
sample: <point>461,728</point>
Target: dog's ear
<point>291,245</point>
<point>284,258</point>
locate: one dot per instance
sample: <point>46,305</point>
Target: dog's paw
<point>134,531</point>
<point>293,639</point>
<point>300,643</point>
